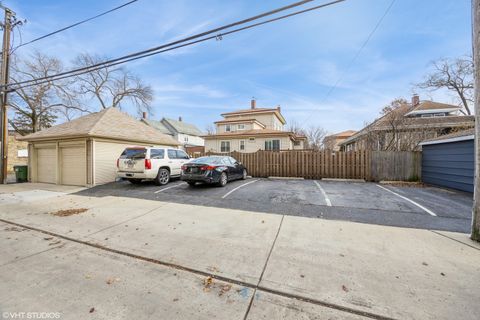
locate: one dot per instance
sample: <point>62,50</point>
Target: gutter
<point>448,140</point>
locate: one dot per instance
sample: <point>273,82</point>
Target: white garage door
<point>74,166</point>
<point>46,165</point>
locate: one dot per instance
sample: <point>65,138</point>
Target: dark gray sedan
<point>214,170</point>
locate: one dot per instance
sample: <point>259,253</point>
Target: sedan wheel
<point>244,174</point>
<point>163,177</point>
<point>223,180</point>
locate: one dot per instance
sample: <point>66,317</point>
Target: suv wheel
<point>244,174</point>
<point>163,177</point>
<point>223,180</point>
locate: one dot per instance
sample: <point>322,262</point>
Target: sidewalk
<point>132,258</point>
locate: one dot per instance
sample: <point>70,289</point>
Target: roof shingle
<point>110,123</point>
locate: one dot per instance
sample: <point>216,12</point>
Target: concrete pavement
<point>129,258</point>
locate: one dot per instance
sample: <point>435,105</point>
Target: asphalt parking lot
<point>402,206</point>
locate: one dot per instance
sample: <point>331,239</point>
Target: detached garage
<point>449,161</point>
<point>83,152</point>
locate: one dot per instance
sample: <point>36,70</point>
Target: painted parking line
<point>171,187</point>
<point>241,186</point>
<point>327,200</point>
<point>411,201</point>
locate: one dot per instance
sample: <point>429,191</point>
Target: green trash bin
<point>21,173</point>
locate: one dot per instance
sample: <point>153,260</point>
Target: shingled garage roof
<point>468,134</point>
<point>183,127</point>
<point>110,123</point>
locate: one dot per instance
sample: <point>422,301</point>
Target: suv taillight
<point>148,164</point>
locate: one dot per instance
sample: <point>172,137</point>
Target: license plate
<point>193,170</point>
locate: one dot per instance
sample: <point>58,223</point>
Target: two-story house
<point>251,130</point>
<point>187,134</point>
<point>403,128</point>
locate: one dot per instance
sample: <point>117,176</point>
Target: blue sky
<point>292,63</point>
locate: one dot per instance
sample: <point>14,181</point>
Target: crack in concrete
<point>256,287</point>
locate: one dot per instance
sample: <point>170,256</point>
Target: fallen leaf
<point>425,264</point>
<point>48,238</point>
<point>443,274</point>
<point>302,276</point>
<point>223,289</point>
<point>345,288</point>
<point>175,300</point>
<point>207,282</point>
<point>112,280</point>
<point>92,310</point>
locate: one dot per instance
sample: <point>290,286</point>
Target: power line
<point>176,44</point>
<point>357,54</point>
<point>76,24</point>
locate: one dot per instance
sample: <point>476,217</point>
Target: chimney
<point>279,109</point>
<point>253,103</point>
<point>144,115</point>
<point>415,100</point>
<point>180,119</point>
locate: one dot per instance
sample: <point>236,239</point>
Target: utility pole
<point>7,28</point>
<point>476,61</point>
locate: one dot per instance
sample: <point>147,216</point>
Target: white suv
<point>150,163</point>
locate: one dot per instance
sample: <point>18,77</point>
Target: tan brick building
<point>17,151</point>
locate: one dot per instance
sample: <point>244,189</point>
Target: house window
<point>228,128</point>
<point>296,143</point>
<point>442,114</point>
<point>241,127</point>
<point>251,139</point>
<point>185,139</point>
<point>426,115</point>
<point>272,145</point>
<point>242,145</point>
<point>225,146</point>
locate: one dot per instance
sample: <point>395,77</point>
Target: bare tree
<point>392,131</point>
<point>296,128</point>
<point>210,129</point>
<point>37,107</point>
<point>112,87</point>
<point>315,137</point>
<point>455,75</point>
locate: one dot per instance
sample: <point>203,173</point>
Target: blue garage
<point>449,161</point>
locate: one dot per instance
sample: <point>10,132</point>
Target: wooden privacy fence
<point>367,165</point>
<point>396,165</point>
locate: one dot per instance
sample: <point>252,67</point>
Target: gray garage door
<point>449,165</point>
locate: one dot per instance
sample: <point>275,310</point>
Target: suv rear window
<point>157,153</point>
<point>172,154</point>
<point>131,153</point>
